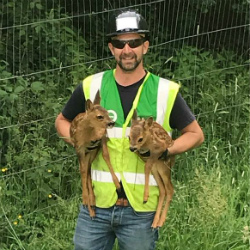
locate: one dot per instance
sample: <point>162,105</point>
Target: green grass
<point>208,212</point>
<point>210,209</point>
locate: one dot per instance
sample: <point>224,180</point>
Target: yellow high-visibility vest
<point>155,98</point>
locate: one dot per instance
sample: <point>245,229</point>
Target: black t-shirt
<point>180,116</point>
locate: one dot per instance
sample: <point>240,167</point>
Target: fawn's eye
<point>100,117</point>
<point>140,140</point>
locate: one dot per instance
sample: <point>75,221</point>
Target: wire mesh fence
<point>48,47</point>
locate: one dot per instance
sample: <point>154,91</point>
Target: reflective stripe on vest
<point>162,96</point>
<point>165,99</point>
<point>131,178</point>
<point>89,89</point>
<point>117,132</point>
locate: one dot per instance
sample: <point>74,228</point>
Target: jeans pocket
<point>144,214</point>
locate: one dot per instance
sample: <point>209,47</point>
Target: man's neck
<point>128,78</point>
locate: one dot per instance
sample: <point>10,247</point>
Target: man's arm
<point>74,106</point>
<point>191,137</point>
<point>63,127</point>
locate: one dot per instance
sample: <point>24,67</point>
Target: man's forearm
<point>63,127</point>
<point>192,136</point>
<point>185,142</point>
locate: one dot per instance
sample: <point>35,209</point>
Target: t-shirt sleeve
<point>181,115</point>
<point>75,105</point>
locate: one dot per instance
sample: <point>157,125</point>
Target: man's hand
<point>164,155</point>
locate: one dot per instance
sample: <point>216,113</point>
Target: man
<point>124,89</point>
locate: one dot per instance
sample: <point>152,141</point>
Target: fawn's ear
<point>89,105</point>
<point>134,117</point>
<point>97,99</point>
<point>149,122</point>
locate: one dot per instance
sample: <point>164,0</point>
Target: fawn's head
<point>139,135</point>
<point>97,115</point>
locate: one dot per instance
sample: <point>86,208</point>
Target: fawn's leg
<point>161,196</point>
<point>91,201</point>
<point>165,172</point>
<point>148,167</point>
<point>87,184</point>
<point>106,157</point>
<point>90,186</point>
<point>83,172</point>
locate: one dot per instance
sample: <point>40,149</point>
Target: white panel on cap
<point>126,23</point>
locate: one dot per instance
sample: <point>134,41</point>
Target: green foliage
<point>39,180</point>
<point>204,213</point>
<point>216,87</point>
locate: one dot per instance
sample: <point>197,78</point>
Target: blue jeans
<point>132,229</point>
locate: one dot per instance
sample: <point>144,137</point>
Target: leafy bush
<point>39,180</point>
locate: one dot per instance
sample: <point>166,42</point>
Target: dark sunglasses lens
<point>119,44</point>
<point>135,43</point>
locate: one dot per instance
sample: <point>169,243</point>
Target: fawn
<point>88,134</point>
<point>149,140</point>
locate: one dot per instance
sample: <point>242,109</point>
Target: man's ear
<point>145,47</point>
<point>111,48</point>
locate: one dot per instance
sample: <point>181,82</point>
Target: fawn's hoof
<point>92,213</point>
<point>154,227</point>
<point>93,207</point>
<point>145,201</point>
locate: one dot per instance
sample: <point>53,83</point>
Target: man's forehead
<point>128,36</point>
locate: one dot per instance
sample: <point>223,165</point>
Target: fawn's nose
<point>111,124</point>
<point>132,149</point>
<point>95,142</point>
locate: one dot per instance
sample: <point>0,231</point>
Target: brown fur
<point>149,136</point>
<point>88,133</point>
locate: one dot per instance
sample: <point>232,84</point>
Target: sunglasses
<point>133,43</point>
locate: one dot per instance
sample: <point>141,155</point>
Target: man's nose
<point>126,48</point>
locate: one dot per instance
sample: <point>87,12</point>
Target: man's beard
<point>131,66</point>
